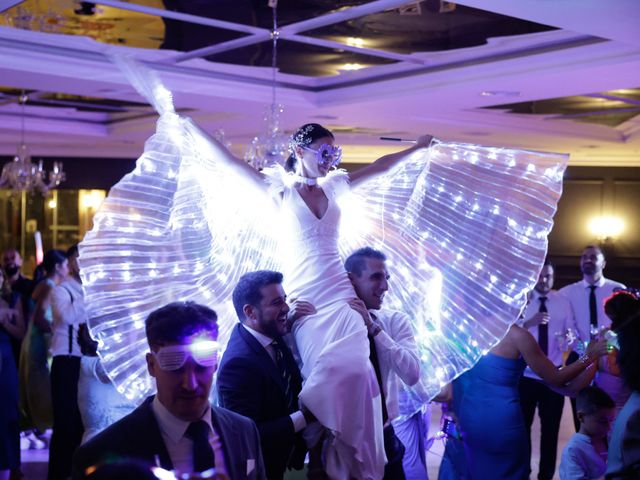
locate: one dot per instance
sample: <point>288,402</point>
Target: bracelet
<point>585,359</point>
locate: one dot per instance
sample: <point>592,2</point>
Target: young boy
<point>585,455</point>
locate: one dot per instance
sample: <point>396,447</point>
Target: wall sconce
<point>606,227</point>
<point>91,199</point>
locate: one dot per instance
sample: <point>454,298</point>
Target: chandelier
<point>272,146</point>
<point>22,175</point>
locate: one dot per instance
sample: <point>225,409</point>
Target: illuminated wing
<point>465,230</point>
<point>181,226</point>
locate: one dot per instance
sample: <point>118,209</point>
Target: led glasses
<point>173,357</point>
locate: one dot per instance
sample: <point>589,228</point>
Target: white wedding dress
<point>340,386</point>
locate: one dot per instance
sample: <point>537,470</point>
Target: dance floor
<point>34,462</point>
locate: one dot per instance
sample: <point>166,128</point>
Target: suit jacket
<point>250,384</point>
<point>137,436</point>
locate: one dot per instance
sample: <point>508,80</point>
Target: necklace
<point>306,180</point>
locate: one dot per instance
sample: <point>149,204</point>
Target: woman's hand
<point>424,141</point>
<point>358,305</point>
<point>596,349</point>
<point>299,309</point>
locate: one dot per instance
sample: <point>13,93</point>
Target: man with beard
<point>258,375</point>
<point>546,315</point>
<point>587,298</point>
<point>11,264</point>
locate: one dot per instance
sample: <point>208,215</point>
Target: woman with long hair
<point>35,384</point>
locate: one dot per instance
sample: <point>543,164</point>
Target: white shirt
<point>67,306</point>
<point>560,319</point>
<point>578,294</point>
<point>296,417</point>
<point>580,461</point>
<point>179,446</point>
<point>397,355</point>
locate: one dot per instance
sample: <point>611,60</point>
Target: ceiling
<point>561,75</point>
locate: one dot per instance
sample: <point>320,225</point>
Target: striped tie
<point>285,373</point>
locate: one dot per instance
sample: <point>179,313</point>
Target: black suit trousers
<point>534,393</point>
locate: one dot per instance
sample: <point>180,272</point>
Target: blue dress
<point>9,428</point>
<point>494,435</point>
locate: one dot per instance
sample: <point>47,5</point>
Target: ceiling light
<point>351,66</point>
<point>355,42</point>
<point>272,146</point>
<point>22,175</point>
<point>500,93</point>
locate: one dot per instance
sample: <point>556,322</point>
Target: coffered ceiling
<point>558,76</point>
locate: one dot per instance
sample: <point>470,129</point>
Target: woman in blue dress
<point>11,326</point>
<point>493,431</point>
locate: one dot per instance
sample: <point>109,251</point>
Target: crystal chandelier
<point>22,175</point>
<point>272,146</point>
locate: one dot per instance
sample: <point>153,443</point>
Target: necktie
<point>543,328</point>
<point>593,307</point>
<point>203,458</point>
<point>285,373</point>
<point>373,357</point>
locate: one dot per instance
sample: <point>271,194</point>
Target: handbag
<point>88,346</point>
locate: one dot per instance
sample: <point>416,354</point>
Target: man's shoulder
<point>567,290</point>
<point>123,431</point>
<point>557,297</point>
<point>613,284</point>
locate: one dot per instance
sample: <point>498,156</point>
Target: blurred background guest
<point>35,386</point>
<point>11,327</point>
<point>624,458</point>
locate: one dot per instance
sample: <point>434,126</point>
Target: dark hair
<point>623,308</point>
<point>549,263</point>
<point>355,263</point>
<point>303,137</point>
<point>51,259</point>
<point>178,320</point>
<point>247,291</point>
<point>591,399</point>
<point>72,250</point>
<point>596,247</point>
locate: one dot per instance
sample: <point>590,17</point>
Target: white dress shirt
<point>397,355</point>
<point>560,319</point>
<point>297,417</point>
<point>578,294</point>
<point>68,311</point>
<point>580,461</point>
<point>179,446</point>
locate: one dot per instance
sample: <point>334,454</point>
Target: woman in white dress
<point>340,385</point>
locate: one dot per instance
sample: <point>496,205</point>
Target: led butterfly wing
<point>181,226</point>
<point>465,231</point>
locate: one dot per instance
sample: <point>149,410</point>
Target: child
<point>585,455</point>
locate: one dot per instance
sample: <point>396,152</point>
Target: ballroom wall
<point>588,192</point>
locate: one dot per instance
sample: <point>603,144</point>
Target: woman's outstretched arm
<point>545,369</point>
<point>384,163</point>
<point>238,165</point>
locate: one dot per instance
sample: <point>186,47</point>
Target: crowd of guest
<point>582,341</point>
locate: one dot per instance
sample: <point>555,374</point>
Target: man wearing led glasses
<point>258,376</point>
<point>178,429</point>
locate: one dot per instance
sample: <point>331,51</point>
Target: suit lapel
<point>264,359</point>
<point>153,438</point>
<point>228,444</point>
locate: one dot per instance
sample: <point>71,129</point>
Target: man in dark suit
<point>258,376</point>
<point>178,429</point>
